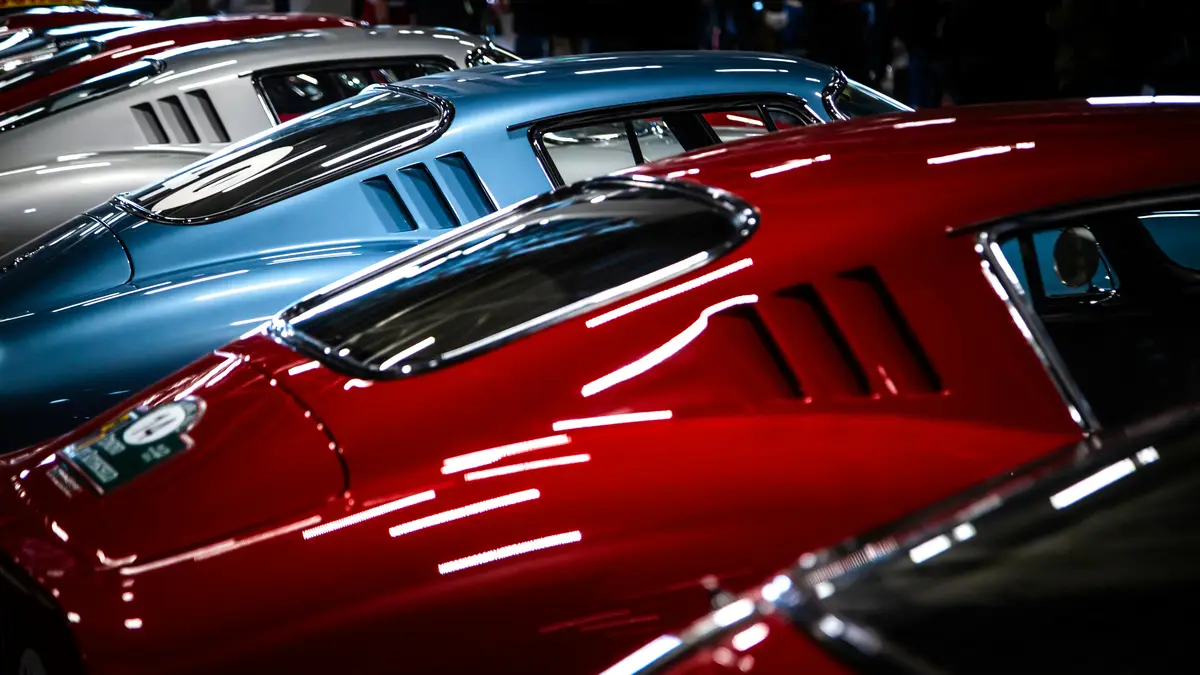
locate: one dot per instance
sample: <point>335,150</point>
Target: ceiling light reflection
<point>750,637</point>
<point>666,350</point>
<point>789,165</point>
<point>528,466</point>
<point>510,551</point>
<point>1102,478</point>
<point>980,152</point>
<point>464,512</point>
<point>368,514</point>
<point>479,458</point>
<point>670,292</point>
<point>646,655</point>
<point>606,420</point>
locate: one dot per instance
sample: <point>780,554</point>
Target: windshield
<point>90,90</point>
<point>512,274</point>
<point>377,125</point>
<point>858,100</point>
<point>1083,565</point>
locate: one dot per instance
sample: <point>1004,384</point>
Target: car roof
<point>314,45</point>
<point>535,89</point>
<point>948,169</point>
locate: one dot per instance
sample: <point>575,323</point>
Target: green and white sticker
<point>135,443</point>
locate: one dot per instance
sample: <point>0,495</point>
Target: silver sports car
<point>145,120</point>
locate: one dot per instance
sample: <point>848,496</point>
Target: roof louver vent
<point>179,125</point>
<point>148,121</point>
<point>213,128</point>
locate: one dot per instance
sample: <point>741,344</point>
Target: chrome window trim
<point>1003,280</point>
<point>744,217</point>
<point>830,93</point>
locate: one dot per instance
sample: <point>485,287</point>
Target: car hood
<point>75,259</point>
<point>170,451</point>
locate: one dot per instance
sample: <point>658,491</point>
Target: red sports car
<point>35,79</point>
<point>58,16</point>
<point>540,440</point>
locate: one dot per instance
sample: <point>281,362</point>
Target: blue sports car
<point>131,290</point>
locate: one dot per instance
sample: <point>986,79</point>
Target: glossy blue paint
<point>112,302</point>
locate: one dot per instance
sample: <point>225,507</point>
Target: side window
<point>730,125</point>
<point>589,151</point>
<point>295,94</point>
<point>784,119</point>
<point>1117,295</point>
<point>598,148</point>
<point>1176,233</point>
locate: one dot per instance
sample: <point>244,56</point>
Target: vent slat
<point>386,203</point>
<point>214,127</point>
<point>178,121</point>
<point>466,192</point>
<point>771,346</point>
<point>149,123</point>
<point>421,192</point>
<point>899,359</point>
<point>813,340</point>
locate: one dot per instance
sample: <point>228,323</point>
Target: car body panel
<point>649,535</point>
<point>610,525</point>
<point>40,159</point>
<point>336,225</point>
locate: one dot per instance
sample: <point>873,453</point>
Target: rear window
<point>514,273</point>
<point>296,156</point>
<point>293,94</point>
<point>89,90</point>
<point>575,152</point>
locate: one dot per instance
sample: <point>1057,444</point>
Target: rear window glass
<point>296,156</point>
<point>596,148</point>
<point>514,273</point>
<point>296,93</point>
<point>90,90</point>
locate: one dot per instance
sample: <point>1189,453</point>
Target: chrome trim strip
<point>1003,280</point>
<point>830,93</point>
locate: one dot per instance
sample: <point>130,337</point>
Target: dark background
<point>924,52</point>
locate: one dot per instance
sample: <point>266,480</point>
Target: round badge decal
<point>137,442</point>
<point>157,424</point>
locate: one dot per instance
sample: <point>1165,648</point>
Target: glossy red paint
<point>44,18</point>
<point>527,509</point>
<point>128,45</point>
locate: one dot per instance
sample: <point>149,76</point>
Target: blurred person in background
<point>918,25</point>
